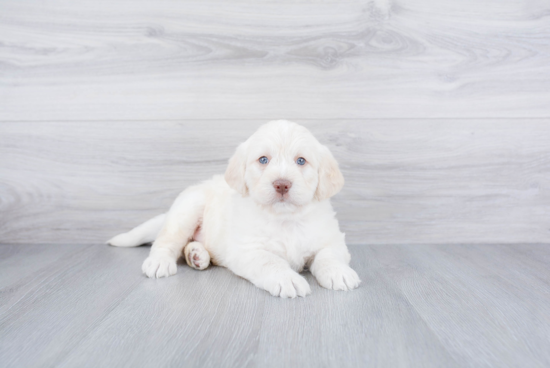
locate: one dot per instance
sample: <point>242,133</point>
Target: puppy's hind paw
<point>159,266</point>
<point>196,255</point>
<point>337,277</point>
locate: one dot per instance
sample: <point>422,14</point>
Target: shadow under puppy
<point>266,220</point>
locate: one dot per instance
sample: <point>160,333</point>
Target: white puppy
<point>268,219</point>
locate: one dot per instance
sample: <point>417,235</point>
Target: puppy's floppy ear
<point>234,174</point>
<point>331,179</point>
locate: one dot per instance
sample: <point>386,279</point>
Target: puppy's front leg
<point>270,272</point>
<point>330,268</point>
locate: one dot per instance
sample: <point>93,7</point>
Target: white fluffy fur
<point>241,222</point>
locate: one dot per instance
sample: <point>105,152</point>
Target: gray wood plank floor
<point>418,306</point>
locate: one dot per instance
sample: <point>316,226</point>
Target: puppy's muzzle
<point>282,186</point>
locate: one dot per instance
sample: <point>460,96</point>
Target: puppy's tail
<point>144,233</point>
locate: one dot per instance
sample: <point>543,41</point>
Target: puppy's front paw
<point>337,277</point>
<point>159,266</point>
<point>287,284</point>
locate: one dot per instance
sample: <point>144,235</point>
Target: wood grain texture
<point>407,181</point>
<point>418,306</point>
<point>466,296</point>
<point>143,59</point>
<point>18,262</point>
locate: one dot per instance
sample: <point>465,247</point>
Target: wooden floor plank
<point>43,316</point>
<point>18,261</point>
<point>482,318</point>
<point>192,319</point>
<point>418,306</point>
<point>349,329</point>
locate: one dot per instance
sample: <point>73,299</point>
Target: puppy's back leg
<point>181,221</point>
<point>196,255</point>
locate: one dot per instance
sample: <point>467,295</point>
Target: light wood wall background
<point>438,111</point>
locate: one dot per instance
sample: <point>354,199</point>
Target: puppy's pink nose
<point>282,186</point>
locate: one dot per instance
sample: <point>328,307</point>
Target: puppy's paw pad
<point>198,258</point>
<point>338,277</point>
<point>287,285</point>
<point>159,266</point>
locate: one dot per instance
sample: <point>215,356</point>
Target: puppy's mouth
<point>285,202</point>
<point>282,197</point>
<point>282,203</point>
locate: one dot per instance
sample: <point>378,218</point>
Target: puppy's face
<point>284,167</point>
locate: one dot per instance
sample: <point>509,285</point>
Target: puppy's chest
<point>291,241</point>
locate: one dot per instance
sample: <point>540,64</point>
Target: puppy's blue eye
<point>301,161</point>
<point>264,160</point>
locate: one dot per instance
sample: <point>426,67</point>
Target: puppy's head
<point>283,166</point>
